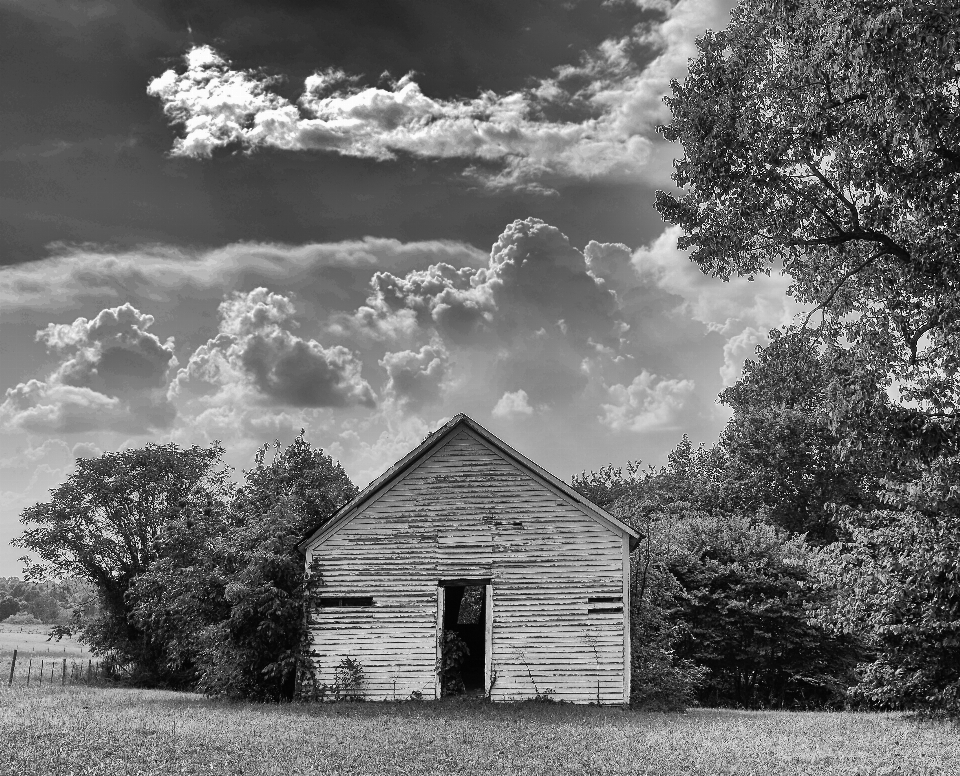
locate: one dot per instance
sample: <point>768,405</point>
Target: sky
<point>226,220</point>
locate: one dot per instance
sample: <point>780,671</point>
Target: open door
<point>464,636</point>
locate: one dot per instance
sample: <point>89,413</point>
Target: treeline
<point>198,581</point>
<point>814,552</point>
<point>49,603</point>
<point>798,562</point>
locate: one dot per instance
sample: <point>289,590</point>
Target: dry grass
<point>86,731</point>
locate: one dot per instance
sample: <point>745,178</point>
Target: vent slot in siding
<point>329,602</point>
<point>608,600</point>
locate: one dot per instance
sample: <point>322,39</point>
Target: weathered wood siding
<point>467,512</point>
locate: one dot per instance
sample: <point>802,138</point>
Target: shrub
<point>453,651</point>
<point>747,591</point>
<point>22,618</point>
<point>898,581</point>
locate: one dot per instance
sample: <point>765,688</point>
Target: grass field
<point>105,732</point>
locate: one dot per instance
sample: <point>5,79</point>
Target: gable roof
<point>349,510</point>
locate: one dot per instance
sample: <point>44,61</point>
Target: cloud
<point>371,444</point>
<point>32,471</point>
<point>648,403</point>
<point>738,309</point>
<point>615,95</point>
<point>113,375</point>
<point>762,302</point>
<point>256,354</point>
<point>534,278</point>
<point>157,273</point>
<point>531,316</point>
<point>512,404</point>
<point>415,378</point>
<point>85,450</point>
<point>738,349</point>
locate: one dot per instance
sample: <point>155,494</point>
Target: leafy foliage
<point>898,581</point>
<point>609,483</point>
<point>825,138</point>
<point>747,590</point>
<point>782,455</point>
<point>348,680</point>
<point>256,650</point>
<point>200,584</point>
<point>48,602</point>
<point>660,679</point>
<point>103,526</point>
<point>453,651</point>
<point>722,602</point>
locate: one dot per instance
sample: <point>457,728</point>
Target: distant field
<point>113,732</point>
<point>32,646</point>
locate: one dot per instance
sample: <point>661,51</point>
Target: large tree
<point>823,138</point>
<point>103,525</point>
<point>229,594</point>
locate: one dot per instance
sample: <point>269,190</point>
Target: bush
<point>898,581</point>
<point>22,618</point>
<point>746,609</point>
<point>659,680</point>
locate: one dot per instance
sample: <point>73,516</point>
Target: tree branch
<point>912,340</point>
<point>833,292</point>
<point>854,214</point>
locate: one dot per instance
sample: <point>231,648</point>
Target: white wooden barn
<point>466,534</point>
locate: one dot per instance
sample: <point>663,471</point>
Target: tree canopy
<point>228,594</point>
<point>103,526</point>
<point>823,138</point>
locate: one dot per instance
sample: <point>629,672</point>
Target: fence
<point>33,671</point>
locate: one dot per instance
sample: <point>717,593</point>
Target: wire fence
<point>27,670</point>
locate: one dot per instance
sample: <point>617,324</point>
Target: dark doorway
<point>464,615</point>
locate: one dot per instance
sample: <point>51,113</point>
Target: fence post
<point>41,674</point>
<point>63,678</point>
<point>29,671</point>
<point>89,667</point>
<point>12,666</point>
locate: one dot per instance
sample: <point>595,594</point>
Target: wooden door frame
<point>487,584</point>
<point>488,639</point>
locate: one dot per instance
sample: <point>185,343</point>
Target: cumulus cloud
<point>618,98</point>
<point>531,316</point>
<point>255,353</point>
<point>415,377</point>
<point>113,376</point>
<point>738,310</point>
<point>28,475</point>
<point>648,403</point>
<point>512,404</point>
<point>761,302</point>
<point>534,278</point>
<point>85,450</point>
<point>373,443</point>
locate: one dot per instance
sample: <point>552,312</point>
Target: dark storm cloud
<point>83,148</point>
